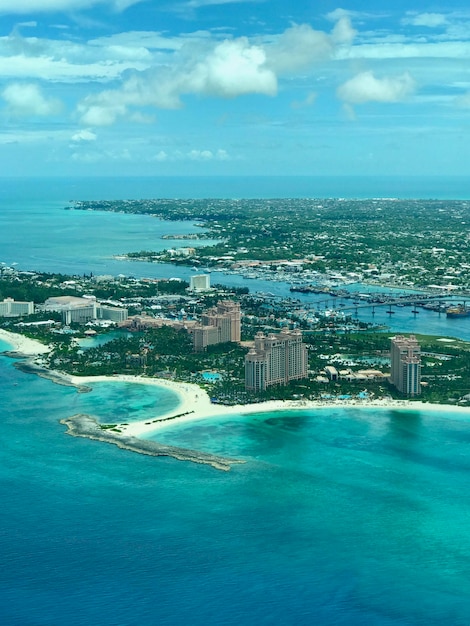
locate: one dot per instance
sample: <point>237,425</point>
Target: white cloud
<point>193,155</point>
<point>208,155</point>
<point>43,136</point>
<point>25,99</point>
<point>338,14</point>
<point>66,61</point>
<point>297,48</point>
<point>196,4</point>
<point>96,156</point>
<point>84,135</point>
<point>99,115</point>
<point>233,68</point>
<point>430,20</point>
<point>48,6</point>
<point>306,102</point>
<point>160,156</point>
<point>200,155</point>
<point>365,87</point>
<point>343,33</point>
<point>229,69</point>
<point>204,67</point>
<point>149,40</point>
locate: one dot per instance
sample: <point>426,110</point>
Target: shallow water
<point>339,517</point>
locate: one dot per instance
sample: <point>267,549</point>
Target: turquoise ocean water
<point>345,516</point>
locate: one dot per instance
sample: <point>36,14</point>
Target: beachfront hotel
<point>15,308</point>
<point>218,325</point>
<point>83,310</point>
<point>405,358</point>
<point>275,360</point>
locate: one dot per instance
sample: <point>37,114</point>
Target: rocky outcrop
<point>82,425</point>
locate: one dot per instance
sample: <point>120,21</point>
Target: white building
<point>112,313</point>
<point>15,308</point>
<point>200,282</point>
<point>73,309</point>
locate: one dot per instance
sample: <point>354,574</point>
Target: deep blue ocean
<point>342,517</point>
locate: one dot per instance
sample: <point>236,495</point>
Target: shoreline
<point>194,404</point>
<point>82,425</point>
<point>22,345</point>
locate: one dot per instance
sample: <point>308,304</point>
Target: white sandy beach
<point>23,345</point>
<point>195,404</point>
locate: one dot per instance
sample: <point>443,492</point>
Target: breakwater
<point>82,425</point>
<point>29,367</point>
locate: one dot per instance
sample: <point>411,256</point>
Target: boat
<point>458,311</point>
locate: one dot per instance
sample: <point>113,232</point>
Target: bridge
<point>380,300</point>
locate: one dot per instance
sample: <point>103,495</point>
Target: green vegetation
<point>369,237</point>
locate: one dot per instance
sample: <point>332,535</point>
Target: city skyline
<point>234,87</point>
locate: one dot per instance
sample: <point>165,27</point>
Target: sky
<point>234,87</point>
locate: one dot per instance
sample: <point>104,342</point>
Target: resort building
<point>200,282</point>
<point>111,313</point>
<point>73,309</point>
<point>218,325</point>
<point>405,357</point>
<point>275,359</point>
<point>204,336</point>
<point>82,310</point>
<point>15,308</point>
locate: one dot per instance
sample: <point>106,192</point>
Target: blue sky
<point>234,87</point>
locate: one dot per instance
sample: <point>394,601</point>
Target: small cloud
<point>26,99</point>
<point>196,4</point>
<point>297,48</point>
<point>101,115</point>
<point>161,156</point>
<point>307,102</point>
<point>343,33</point>
<point>200,155</point>
<point>87,157</point>
<point>365,87</point>
<point>84,135</point>
<point>16,7</point>
<point>222,155</point>
<point>349,112</point>
<point>430,20</point>
<point>338,14</point>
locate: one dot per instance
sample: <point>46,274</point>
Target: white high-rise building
<point>200,282</point>
<point>15,308</point>
<point>73,309</point>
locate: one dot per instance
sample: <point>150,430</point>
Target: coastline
<point>194,405</point>
<point>21,345</point>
